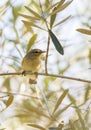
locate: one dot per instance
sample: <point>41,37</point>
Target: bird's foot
<point>24,73</point>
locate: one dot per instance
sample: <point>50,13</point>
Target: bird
<point>32,62</point>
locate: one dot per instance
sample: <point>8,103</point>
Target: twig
<point>47,74</point>
<point>46,61</point>
<point>20,94</point>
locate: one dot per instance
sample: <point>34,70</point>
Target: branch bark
<point>47,74</point>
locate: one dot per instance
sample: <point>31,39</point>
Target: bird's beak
<point>43,51</point>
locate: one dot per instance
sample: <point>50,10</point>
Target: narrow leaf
<point>28,17</point>
<point>80,118</point>
<point>84,31</point>
<point>71,124</point>
<point>53,17</point>
<point>28,23</point>
<point>60,3</point>
<point>33,12</point>
<point>36,126</point>
<point>52,6</point>
<point>10,100</point>
<point>31,42</point>
<point>60,100</point>
<point>56,42</point>
<point>59,112</point>
<point>62,21</point>
<point>62,7</point>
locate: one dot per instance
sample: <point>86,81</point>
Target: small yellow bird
<point>32,62</point>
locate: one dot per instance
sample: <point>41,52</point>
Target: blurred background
<point>24,106</point>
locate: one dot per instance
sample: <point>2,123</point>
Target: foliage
<point>54,103</point>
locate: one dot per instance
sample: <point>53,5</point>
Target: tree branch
<point>47,74</point>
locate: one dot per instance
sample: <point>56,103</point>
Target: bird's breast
<point>31,65</point>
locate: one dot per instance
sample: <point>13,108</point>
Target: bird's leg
<point>24,72</point>
<point>36,73</point>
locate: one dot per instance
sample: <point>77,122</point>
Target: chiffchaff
<point>32,62</point>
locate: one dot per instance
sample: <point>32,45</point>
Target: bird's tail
<point>31,81</point>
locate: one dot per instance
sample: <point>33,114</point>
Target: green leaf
<point>72,125</point>
<point>29,17</point>
<point>56,42</point>
<point>60,100</point>
<point>60,3</point>
<point>53,17</point>
<point>33,12</point>
<point>62,7</point>
<point>36,126</point>
<point>84,31</point>
<point>82,122</point>
<point>31,42</point>
<point>10,100</point>
<point>62,21</point>
<point>31,24</point>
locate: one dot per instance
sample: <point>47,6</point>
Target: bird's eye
<point>36,52</point>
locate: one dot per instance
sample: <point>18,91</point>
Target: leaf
<point>31,42</point>
<point>52,6</point>
<point>33,12</point>
<point>57,44</point>
<point>36,126</point>
<point>61,111</point>
<point>10,100</point>
<point>53,17</point>
<point>84,31</point>
<point>60,100</point>
<point>80,118</point>
<point>29,17</point>
<point>28,23</point>
<point>72,125</point>
<point>62,21</point>
<point>62,7</point>
<point>60,3</point>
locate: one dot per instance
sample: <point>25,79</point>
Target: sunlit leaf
<point>62,7</point>
<point>56,42</point>
<point>29,17</point>
<point>87,93</point>
<point>60,3</point>
<point>60,111</point>
<point>53,17</point>
<point>84,31</point>
<point>10,100</point>
<point>89,55</point>
<point>33,12</point>
<point>72,126</point>
<point>62,21</point>
<point>81,118</point>
<point>72,99</point>
<point>6,83</point>
<point>51,7</point>
<point>31,42</point>
<point>47,3</point>
<point>31,24</point>
<point>37,126</point>
<point>15,11</point>
<point>60,100</point>
<point>36,5</point>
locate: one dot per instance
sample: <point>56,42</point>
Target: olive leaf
<point>56,43</point>
<point>31,42</point>
<point>84,31</point>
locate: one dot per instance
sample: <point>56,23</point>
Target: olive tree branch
<point>46,60</point>
<point>46,74</point>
